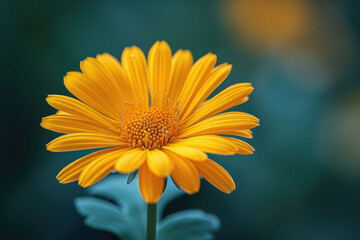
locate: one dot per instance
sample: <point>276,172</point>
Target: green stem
<point>151,221</point>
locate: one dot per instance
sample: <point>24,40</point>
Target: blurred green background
<point>302,57</point>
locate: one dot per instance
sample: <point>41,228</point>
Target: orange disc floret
<point>150,128</point>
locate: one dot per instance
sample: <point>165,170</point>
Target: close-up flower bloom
<point>154,116</point>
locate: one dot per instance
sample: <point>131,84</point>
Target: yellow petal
<point>66,123</point>
<point>81,110</point>
<point>198,74</point>
<point>216,175</point>
<point>226,99</point>
<point>217,76</point>
<point>180,67</point>
<point>72,171</point>
<point>104,83</point>
<point>211,144</point>
<point>159,163</point>
<point>81,141</point>
<point>131,160</point>
<point>242,147</point>
<point>187,152</point>
<point>185,174</point>
<point>159,65</point>
<point>241,133</point>
<point>134,64</point>
<point>219,123</point>
<point>151,186</point>
<point>113,66</point>
<point>61,113</point>
<point>98,169</point>
<point>91,92</point>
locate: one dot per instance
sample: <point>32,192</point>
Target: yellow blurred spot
<point>264,23</point>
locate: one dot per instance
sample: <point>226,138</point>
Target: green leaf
<point>103,215</point>
<point>165,184</point>
<point>189,225</point>
<point>127,217</point>
<point>131,176</point>
<point>177,186</point>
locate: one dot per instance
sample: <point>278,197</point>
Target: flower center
<point>150,128</point>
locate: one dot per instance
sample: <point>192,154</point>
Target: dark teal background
<point>301,183</point>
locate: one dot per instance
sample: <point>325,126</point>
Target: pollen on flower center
<point>150,128</point>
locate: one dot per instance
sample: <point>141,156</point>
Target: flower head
<point>151,115</point>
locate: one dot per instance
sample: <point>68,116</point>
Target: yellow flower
<point>153,116</point>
